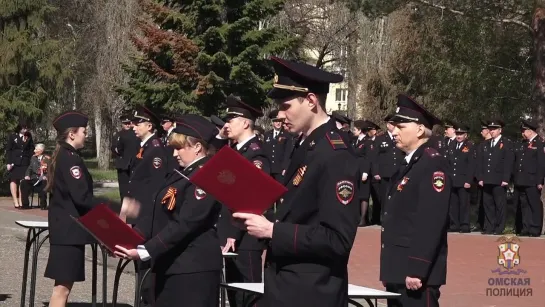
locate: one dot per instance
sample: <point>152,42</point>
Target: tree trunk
<point>538,26</point>
<point>352,70</point>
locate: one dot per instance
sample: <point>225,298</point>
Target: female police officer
<point>184,246</point>
<point>71,188</point>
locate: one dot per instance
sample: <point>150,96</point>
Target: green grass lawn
<point>112,194</point>
<point>98,174</point>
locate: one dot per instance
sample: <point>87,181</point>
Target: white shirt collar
<point>530,140</point>
<point>390,134</point>
<point>361,136</point>
<point>199,158</point>
<point>146,139</point>
<point>496,139</point>
<point>409,156</point>
<point>170,130</point>
<point>240,144</point>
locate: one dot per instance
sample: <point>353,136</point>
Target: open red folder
<point>108,229</point>
<point>237,183</point>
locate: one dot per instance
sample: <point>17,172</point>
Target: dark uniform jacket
<point>148,173</point>
<point>72,195</point>
<point>184,237</point>
<point>19,149</point>
<point>415,221</point>
<point>388,158</point>
<point>364,167</point>
<point>495,164</point>
<point>276,148</point>
<point>529,167</point>
<point>253,151</point>
<point>438,143</point>
<point>37,167</point>
<point>125,146</point>
<point>316,223</point>
<point>462,163</point>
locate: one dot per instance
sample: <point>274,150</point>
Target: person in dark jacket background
<point>19,150</point>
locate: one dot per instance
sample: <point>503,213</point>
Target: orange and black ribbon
<point>139,155</point>
<point>170,197</point>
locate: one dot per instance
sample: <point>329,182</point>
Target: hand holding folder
<point>108,229</point>
<point>235,182</point>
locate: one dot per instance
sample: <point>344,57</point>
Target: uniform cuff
<point>418,267</point>
<point>143,253</point>
<point>284,239</point>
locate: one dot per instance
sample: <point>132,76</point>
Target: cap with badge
<point>217,121</point>
<point>528,125</point>
<point>448,124</point>
<point>236,107</point>
<point>296,78</point>
<point>460,128</point>
<point>125,118</point>
<point>409,111</point>
<point>371,125</point>
<point>196,126</point>
<point>70,119</point>
<point>389,117</point>
<point>274,116</point>
<point>484,124</point>
<point>496,123</point>
<point>360,124</point>
<point>341,118</point>
<point>143,114</point>
<point>167,118</point>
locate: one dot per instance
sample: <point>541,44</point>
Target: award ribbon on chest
<point>170,197</point>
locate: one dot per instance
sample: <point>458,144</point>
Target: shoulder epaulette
<point>254,146</point>
<point>432,152</point>
<point>156,143</point>
<point>336,140</point>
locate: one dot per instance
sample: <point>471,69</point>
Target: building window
<point>340,94</point>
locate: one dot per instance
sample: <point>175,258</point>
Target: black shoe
<point>465,230</point>
<point>534,235</point>
<point>487,232</point>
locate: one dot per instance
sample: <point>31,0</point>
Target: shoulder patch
<point>254,146</point>
<point>156,143</point>
<point>438,181</point>
<point>432,152</point>
<point>199,193</point>
<point>75,171</point>
<point>335,140</point>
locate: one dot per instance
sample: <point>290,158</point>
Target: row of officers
<point>487,168</point>
<point>307,236</point>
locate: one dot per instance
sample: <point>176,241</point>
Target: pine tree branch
<point>461,13</point>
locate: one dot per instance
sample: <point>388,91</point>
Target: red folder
<point>108,229</point>
<point>238,183</point>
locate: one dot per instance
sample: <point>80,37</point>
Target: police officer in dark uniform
<point>317,219</point>
<point>413,258</point>
<point>247,266</point>
<point>450,135</point>
<point>364,188</point>
<point>438,143</point>
<point>494,169</point>
<point>184,245</point>
<point>529,173</point>
<point>124,148</point>
<point>221,138</point>
<point>343,123</point>
<point>168,123</point>
<point>275,145</point>
<point>71,188</point>
<point>485,133</point>
<point>148,173</point>
<point>371,154</point>
<point>462,159</point>
<point>388,158</point>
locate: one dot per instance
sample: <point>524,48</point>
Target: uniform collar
<point>240,144</point>
<point>146,139</point>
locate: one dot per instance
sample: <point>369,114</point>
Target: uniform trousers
<point>123,180</point>
<point>459,208</point>
<point>377,207</point>
<point>494,203</point>
<point>27,186</point>
<point>529,209</point>
<point>426,296</point>
<point>200,289</point>
<point>246,267</point>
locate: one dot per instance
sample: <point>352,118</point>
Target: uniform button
<point>389,196</point>
<point>382,228</point>
<point>382,246</point>
<point>385,213</point>
<point>277,221</point>
<point>281,200</point>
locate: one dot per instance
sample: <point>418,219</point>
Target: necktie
<point>493,143</point>
<point>458,146</point>
<point>275,134</point>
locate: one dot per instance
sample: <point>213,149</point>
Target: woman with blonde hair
<point>184,248</point>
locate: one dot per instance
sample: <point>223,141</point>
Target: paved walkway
<point>472,258</point>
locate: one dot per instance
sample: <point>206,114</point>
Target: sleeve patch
<point>336,140</point>
<point>344,190</point>
<point>438,181</point>
<point>199,194</point>
<point>157,162</point>
<point>75,171</point>
<point>254,146</point>
<point>258,164</point>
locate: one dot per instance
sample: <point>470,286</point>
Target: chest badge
<point>465,149</point>
<point>300,174</point>
<point>402,183</point>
